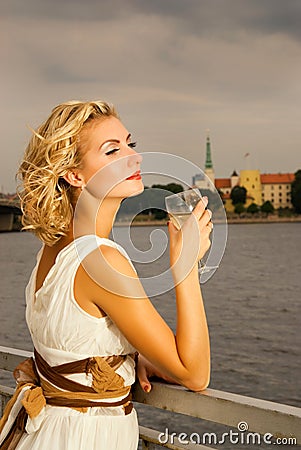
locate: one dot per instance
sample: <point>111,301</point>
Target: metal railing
<point>255,416</point>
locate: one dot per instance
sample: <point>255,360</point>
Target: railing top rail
<point>255,415</point>
<point>11,357</point>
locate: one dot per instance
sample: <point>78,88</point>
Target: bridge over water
<point>9,211</point>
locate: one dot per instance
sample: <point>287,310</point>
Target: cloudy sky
<point>173,68</point>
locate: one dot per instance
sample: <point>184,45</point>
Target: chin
<point>137,191</point>
<point>132,188</point>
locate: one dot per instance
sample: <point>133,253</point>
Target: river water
<point>253,309</point>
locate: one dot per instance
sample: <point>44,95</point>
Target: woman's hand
<point>190,243</point>
<point>146,370</point>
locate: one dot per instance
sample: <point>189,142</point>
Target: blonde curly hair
<point>46,198</point>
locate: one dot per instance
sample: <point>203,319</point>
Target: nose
<point>134,158</point>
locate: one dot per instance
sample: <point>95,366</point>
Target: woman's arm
<point>113,285</point>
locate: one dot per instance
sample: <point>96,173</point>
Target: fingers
<point>171,228</point>
<point>208,228</point>
<point>200,208</point>
<point>202,214</point>
<point>143,379</point>
<point>205,219</point>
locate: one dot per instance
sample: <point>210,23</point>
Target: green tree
<point>174,188</point>
<point>296,192</point>
<point>160,191</point>
<point>238,195</point>
<point>267,208</point>
<point>253,208</point>
<point>159,214</point>
<point>239,208</point>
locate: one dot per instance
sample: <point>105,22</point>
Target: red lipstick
<point>135,176</point>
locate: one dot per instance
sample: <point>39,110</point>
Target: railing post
<point>5,395</point>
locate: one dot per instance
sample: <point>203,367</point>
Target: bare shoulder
<point>117,260</point>
<point>106,274</point>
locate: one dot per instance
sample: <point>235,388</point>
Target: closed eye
<point>110,152</point>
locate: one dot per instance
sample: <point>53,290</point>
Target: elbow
<point>197,384</point>
<point>197,378</point>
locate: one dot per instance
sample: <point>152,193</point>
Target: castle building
<point>225,186</point>
<point>276,187</point>
<point>272,187</point>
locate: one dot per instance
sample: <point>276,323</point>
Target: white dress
<point>63,332</point>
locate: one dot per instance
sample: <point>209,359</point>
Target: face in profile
<point>110,165</point>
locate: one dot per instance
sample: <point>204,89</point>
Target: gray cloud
<point>67,10</point>
<point>226,18</point>
<point>173,68</point>
<point>203,17</point>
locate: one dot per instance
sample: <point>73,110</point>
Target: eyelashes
<point>132,144</point>
<point>110,152</point>
<point>114,150</point>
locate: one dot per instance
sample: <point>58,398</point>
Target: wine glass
<point>179,207</point>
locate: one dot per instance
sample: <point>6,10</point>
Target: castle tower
<point>209,171</point>
<point>234,179</point>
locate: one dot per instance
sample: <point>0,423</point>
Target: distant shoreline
<point>230,221</point>
<point>244,220</point>
<point>266,220</point>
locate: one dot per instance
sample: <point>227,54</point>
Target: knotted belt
<point>55,389</point>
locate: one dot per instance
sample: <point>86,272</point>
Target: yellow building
<point>225,185</point>
<point>250,179</point>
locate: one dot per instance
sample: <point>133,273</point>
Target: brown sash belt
<point>80,403</point>
<point>57,390</point>
<point>54,376</point>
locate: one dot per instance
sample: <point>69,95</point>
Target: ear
<point>74,179</point>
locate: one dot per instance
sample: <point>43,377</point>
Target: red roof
<point>273,178</point>
<point>222,183</point>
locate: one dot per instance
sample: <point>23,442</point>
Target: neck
<point>93,217</point>
<point>106,216</point>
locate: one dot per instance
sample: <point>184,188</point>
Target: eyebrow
<point>115,140</point>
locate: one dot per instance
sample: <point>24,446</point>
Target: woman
<point>86,308</point>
